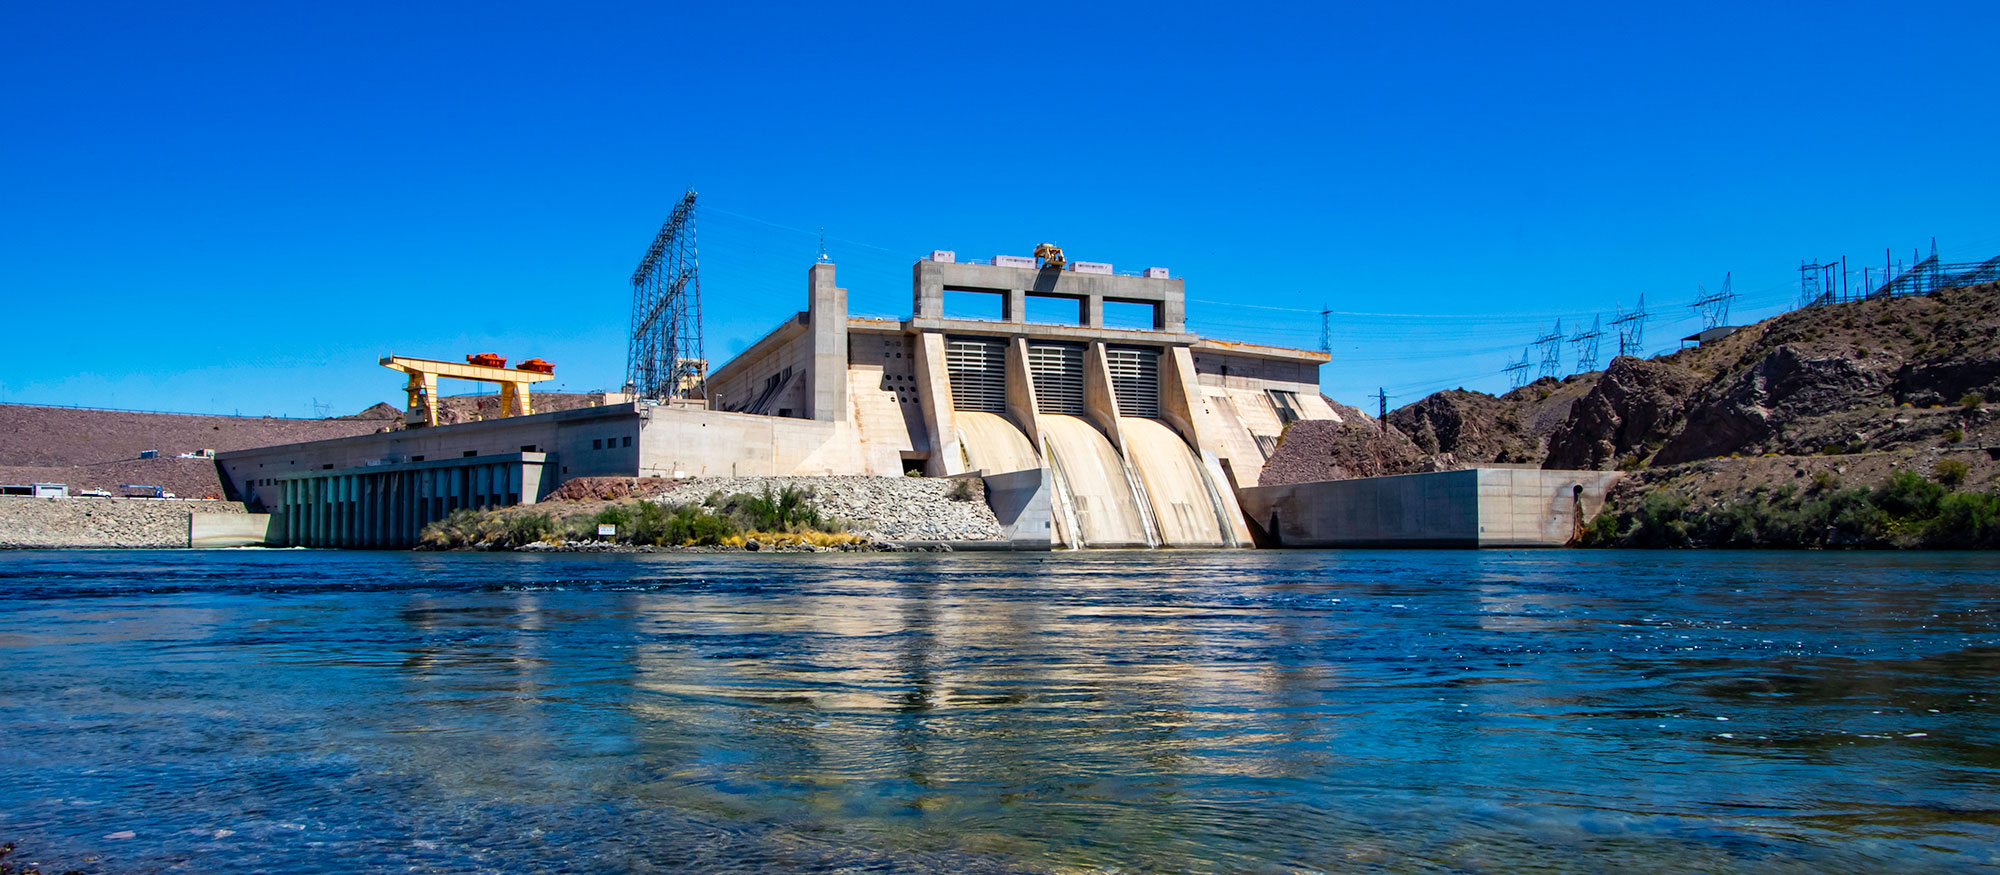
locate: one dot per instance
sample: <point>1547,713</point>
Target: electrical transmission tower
<point>665,359</point>
<point>1325,329</point>
<point>1585,344</point>
<point>1551,350</point>
<point>1382,406</point>
<point>1631,328</point>
<point>1714,306</point>
<point>1817,284</point>
<point>1517,371</point>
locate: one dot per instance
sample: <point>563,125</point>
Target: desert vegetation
<point>776,517</point>
<point>1909,510</point>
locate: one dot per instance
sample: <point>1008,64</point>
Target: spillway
<point>1107,513</point>
<point>1183,502</point>
<point>994,444</point>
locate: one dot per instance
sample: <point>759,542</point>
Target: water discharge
<point>1183,502</point>
<point>1163,711</point>
<point>995,444</point>
<point>1099,487</point>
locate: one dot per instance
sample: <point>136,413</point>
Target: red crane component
<point>536,365</point>
<point>486,359</point>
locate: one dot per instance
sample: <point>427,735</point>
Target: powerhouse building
<point>1087,435</point>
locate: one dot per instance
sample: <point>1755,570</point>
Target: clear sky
<point>222,208</point>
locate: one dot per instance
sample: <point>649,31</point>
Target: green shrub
<point>524,529</point>
<point>1661,520</point>
<point>696,526</point>
<point>961,490</point>
<point>1908,496</point>
<point>1823,481</point>
<point>787,510</point>
<point>1971,400</point>
<point>1602,531</point>
<point>1950,472</point>
<point>1954,435</point>
<point>616,515</point>
<point>1965,520</point>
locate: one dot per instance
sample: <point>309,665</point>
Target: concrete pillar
<point>826,378</point>
<point>1173,311</point>
<point>1180,395</point>
<point>1014,306</point>
<point>1021,392</point>
<point>1093,311</point>
<point>934,400</point>
<point>926,292</point>
<point>1100,403</point>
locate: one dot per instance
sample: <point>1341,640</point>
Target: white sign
<point>1089,267</point>
<point>1012,261</point>
<point>606,530</point>
<point>1156,273</point>
<point>944,256</point>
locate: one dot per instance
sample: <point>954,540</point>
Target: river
<point>1170,711</point>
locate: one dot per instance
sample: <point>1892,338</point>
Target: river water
<point>1174,711</point>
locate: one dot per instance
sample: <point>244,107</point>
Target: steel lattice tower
<point>1714,306</point>
<point>1517,371</point>
<point>664,359</point>
<point>1631,328</point>
<point>1585,344</point>
<point>1550,345</point>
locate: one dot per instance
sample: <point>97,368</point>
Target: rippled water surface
<point>238,711</point>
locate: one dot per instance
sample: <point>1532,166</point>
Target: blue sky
<point>221,208</point>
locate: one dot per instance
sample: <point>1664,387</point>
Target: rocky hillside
<point>1445,431</point>
<point>1868,376</point>
<point>1830,418</point>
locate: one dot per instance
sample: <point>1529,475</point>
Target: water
<point>1190,711</point>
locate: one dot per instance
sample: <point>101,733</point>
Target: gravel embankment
<point>893,508</point>
<point>101,522</point>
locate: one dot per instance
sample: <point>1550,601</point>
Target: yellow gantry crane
<point>484,368</point>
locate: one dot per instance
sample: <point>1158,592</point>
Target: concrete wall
<point>1414,510</point>
<point>208,530</point>
<point>1482,507</point>
<point>588,442</point>
<point>884,401</point>
<point>1023,503</point>
<point>783,355</point>
<point>687,442</point>
<point>1530,507</point>
<point>103,522</point>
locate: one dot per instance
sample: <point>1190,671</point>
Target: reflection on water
<point>1165,711</point>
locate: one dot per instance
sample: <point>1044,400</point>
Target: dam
<point>1134,435</point>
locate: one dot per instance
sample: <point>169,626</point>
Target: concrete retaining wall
<point>206,530</point>
<point>1479,507</point>
<point>103,522</point>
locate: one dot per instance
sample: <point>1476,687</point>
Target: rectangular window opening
<point>1135,315</point>
<point>984,305</point>
<point>1054,309</point>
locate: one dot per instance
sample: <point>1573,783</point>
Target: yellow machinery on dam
<point>482,368</point>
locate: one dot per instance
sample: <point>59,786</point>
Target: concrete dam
<point>1120,476</point>
<point>1091,435</point>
